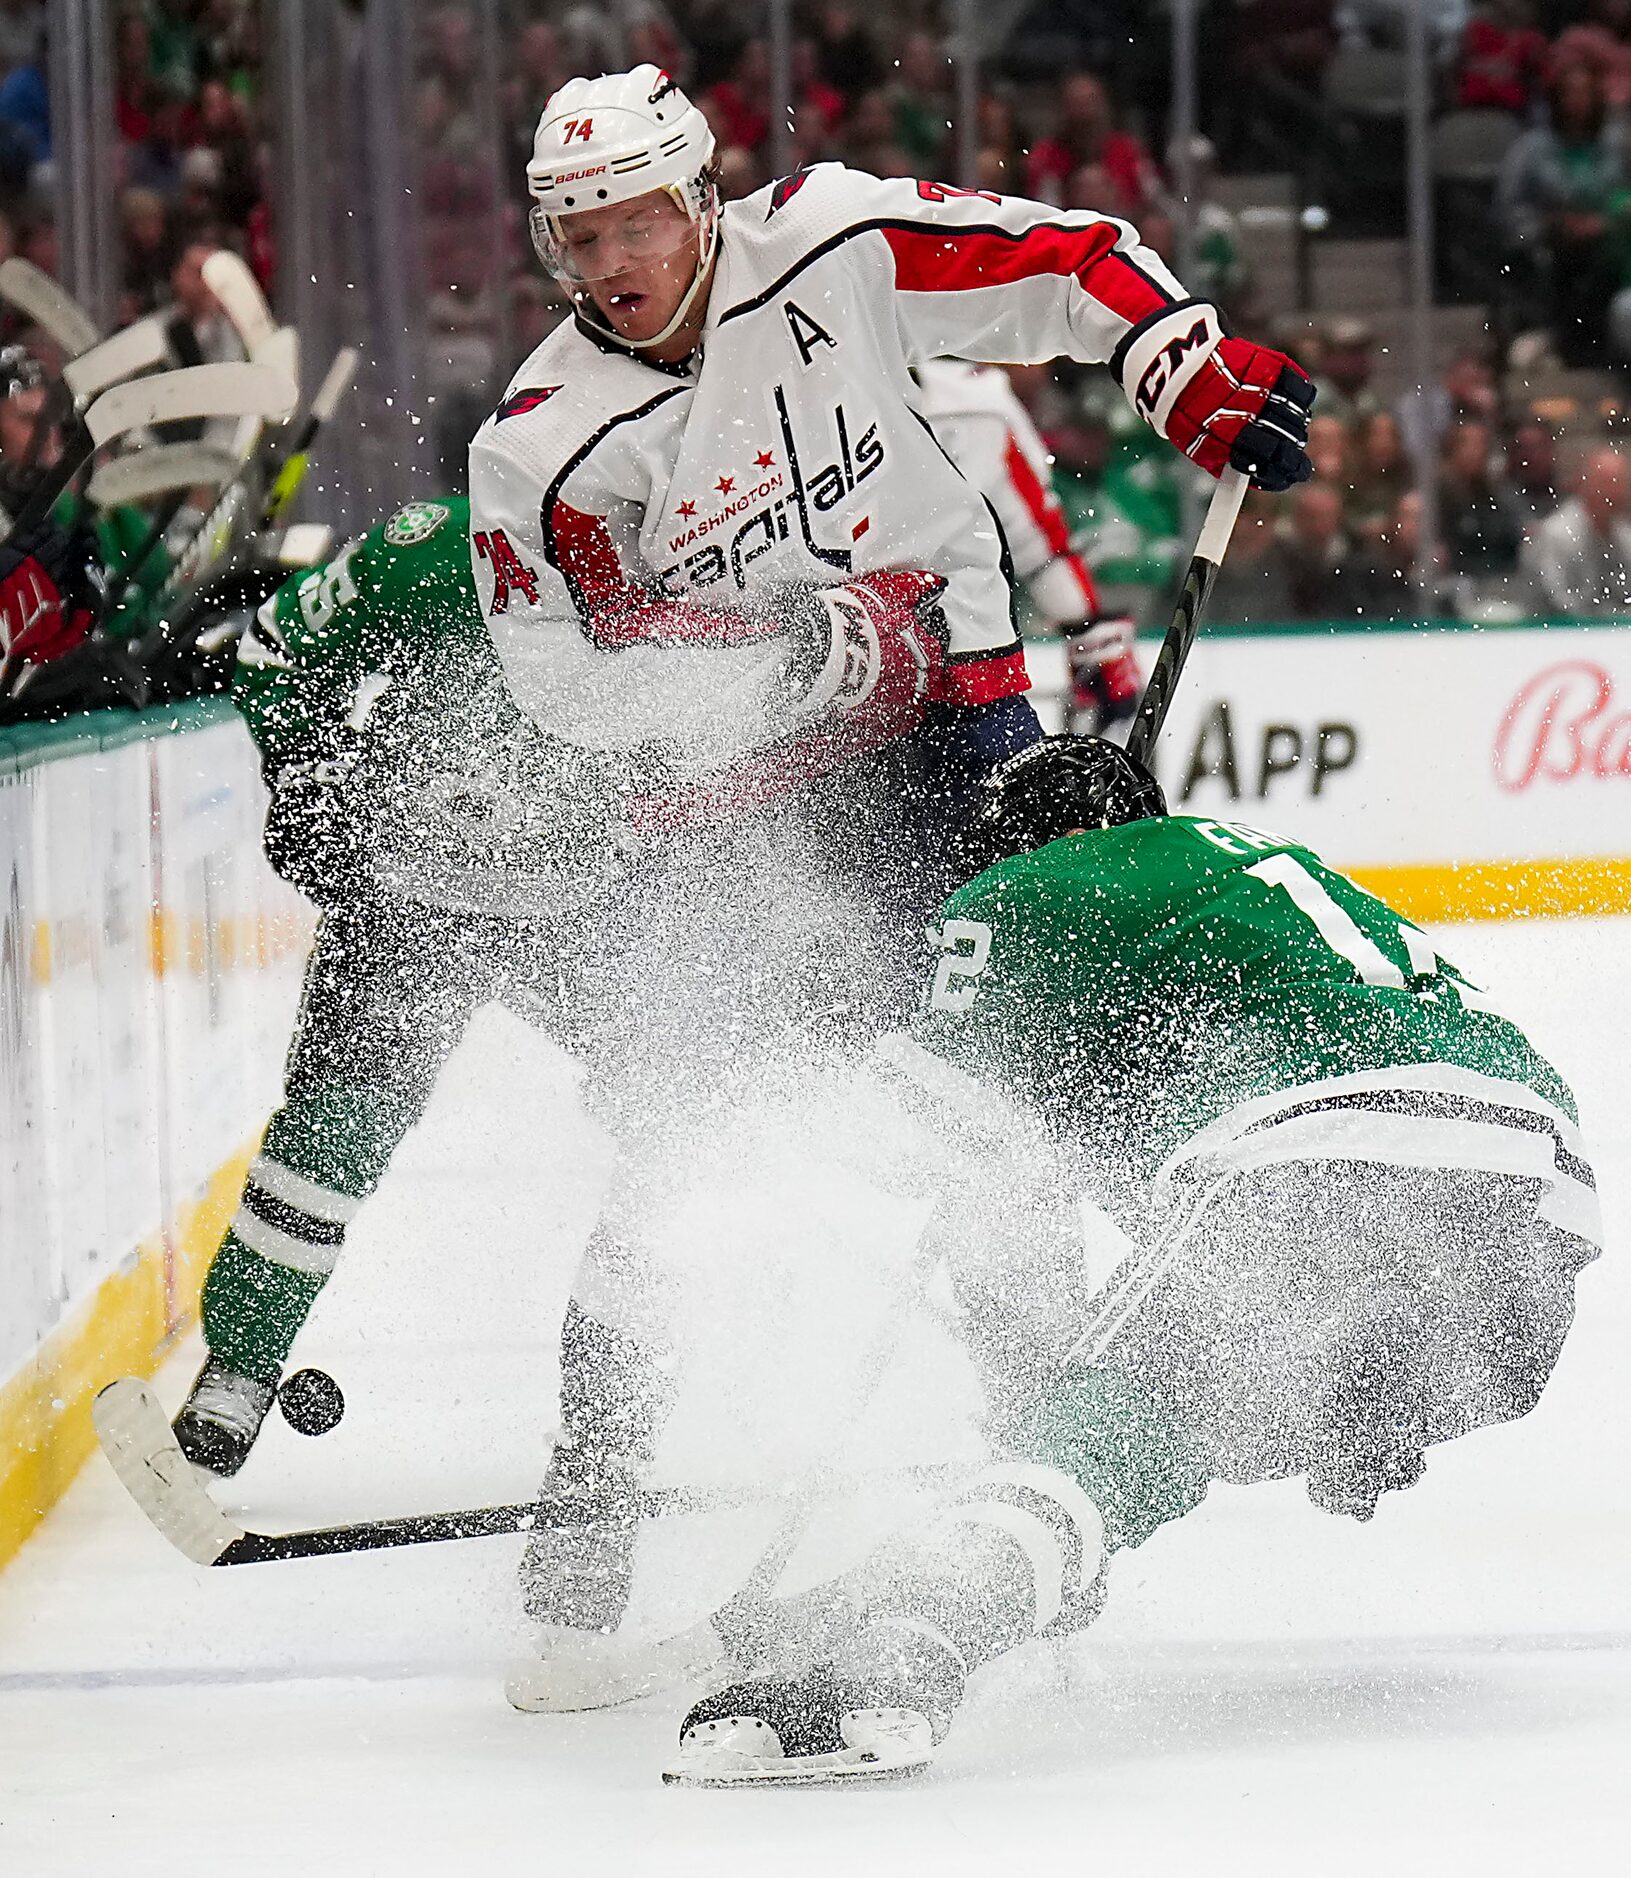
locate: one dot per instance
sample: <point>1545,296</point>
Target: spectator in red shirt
<point>1502,66</point>
<point>736,106</point>
<point>1087,136</point>
<point>820,107</point>
<point>132,84</point>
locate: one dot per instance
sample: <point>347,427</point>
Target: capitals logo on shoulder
<point>416,523</point>
<point>518,403</point>
<point>785,190</point>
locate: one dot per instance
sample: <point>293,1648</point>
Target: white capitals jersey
<point>630,522</point>
<point>988,434</point>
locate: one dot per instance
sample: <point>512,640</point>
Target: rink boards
<point>1460,772</point>
<point>149,961</point>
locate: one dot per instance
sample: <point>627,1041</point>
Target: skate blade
<point>879,1745</point>
<point>849,1768</point>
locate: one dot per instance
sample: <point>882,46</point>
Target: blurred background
<point>1428,205</point>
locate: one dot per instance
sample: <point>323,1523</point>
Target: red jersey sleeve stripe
<point>1042,505</point>
<point>982,681</point>
<point>947,260</point>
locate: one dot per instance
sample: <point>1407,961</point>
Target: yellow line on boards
<point>1502,889</point>
<point>45,1409</point>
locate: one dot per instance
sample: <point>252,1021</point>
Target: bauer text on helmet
<point>625,213</point>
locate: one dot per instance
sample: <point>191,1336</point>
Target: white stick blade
<point>159,468</point>
<point>194,391</point>
<point>144,1454</point>
<point>32,291</point>
<point>241,299</point>
<point>134,349</point>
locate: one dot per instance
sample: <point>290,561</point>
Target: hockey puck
<point>311,1402</point>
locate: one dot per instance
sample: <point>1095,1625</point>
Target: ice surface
<point>1269,1690</point>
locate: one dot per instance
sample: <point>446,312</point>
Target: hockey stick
<point>142,474</point>
<point>55,311</point>
<point>222,528</point>
<point>235,460</point>
<point>1210,548</point>
<point>242,301</point>
<point>286,484</point>
<point>143,1452</point>
<point>130,351</point>
<point>135,349</point>
<point>194,391</point>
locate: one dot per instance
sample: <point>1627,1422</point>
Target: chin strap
<point>589,312</point>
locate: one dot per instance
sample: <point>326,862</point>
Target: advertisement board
<point>1393,752</point>
<point>149,968</point>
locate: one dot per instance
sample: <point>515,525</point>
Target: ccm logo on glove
<point>1226,403</point>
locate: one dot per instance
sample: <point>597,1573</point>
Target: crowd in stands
<point>1073,111</point>
<point>189,150</point>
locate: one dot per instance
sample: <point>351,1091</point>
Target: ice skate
<point>222,1417</point>
<point>576,1670</point>
<point>874,1712</point>
<point>576,1575</point>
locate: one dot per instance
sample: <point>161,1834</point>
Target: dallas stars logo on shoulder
<point>416,523</point>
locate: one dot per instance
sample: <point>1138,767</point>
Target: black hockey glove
<point>1273,448</point>
<point>315,836</point>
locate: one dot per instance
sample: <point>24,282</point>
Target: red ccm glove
<point>49,598</point>
<point>1226,403</point>
<point>865,661</point>
<point>1105,682</point>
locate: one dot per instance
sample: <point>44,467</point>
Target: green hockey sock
<point>253,1309</point>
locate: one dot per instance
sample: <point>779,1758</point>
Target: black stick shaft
<point>481,1522</point>
<point>77,450</point>
<point>1186,621</point>
<point>486,1522</point>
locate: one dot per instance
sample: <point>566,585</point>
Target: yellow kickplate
<point>45,1409</point>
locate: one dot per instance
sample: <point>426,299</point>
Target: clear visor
<point>602,243</point>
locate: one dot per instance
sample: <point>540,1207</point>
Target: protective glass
<point>641,235</point>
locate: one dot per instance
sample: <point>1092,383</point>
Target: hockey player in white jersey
<point>710,533</point>
<point>985,430</point>
<point>692,512</point>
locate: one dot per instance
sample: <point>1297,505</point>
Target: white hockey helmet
<point>606,140</point>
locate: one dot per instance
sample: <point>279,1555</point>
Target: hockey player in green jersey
<point>1349,1200</point>
<point>444,840</point>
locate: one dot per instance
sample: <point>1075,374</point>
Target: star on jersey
<point>725,485</point>
<point>765,459</point>
<point>687,510</point>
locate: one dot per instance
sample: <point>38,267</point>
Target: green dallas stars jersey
<point>1136,984</point>
<point>378,667</point>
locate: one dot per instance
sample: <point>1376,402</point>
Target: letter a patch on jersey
<point>510,572</point>
<point>807,333</point>
<point>518,403</point>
